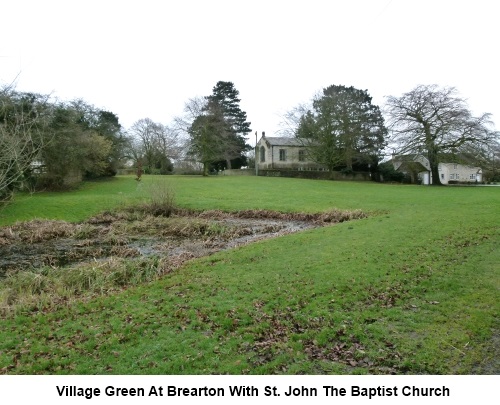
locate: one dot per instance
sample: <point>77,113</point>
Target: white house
<point>418,164</point>
<point>283,153</point>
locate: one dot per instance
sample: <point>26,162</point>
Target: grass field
<point>412,289</point>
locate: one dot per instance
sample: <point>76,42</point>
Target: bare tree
<point>431,121</point>
<point>181,126</point>
<point>153,144</point>
<point>22,119</point>
<point>143,133</point>
<point>168,140</point>
<point>290,121</point>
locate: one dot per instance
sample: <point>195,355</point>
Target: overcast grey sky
<point>146,58</point>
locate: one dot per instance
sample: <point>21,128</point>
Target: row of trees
<point>211,131</point>
<point>54,143</point>
<point>342,129</point>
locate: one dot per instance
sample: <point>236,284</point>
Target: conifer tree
<point>237,127</point>
<point>343,128</point>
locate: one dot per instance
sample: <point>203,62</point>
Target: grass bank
<point>89,199</point>
<point>413,288</point>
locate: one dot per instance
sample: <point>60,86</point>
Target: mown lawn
<point>412,289</point>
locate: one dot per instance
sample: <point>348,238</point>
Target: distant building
<point>418,168</point>
<point>283,153</point>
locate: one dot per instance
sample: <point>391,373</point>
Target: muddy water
<point>41,245</point>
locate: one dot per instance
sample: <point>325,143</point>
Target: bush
<point>388,173</point>
<point>161,201</point>
<point>346,171</point>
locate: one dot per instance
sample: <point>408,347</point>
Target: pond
<point>42,243</point>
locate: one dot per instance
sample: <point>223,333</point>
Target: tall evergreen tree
<point>343,129</point>
<point>209,137</point>
<point>237,127</point>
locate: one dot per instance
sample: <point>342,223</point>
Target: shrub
<point>161,199</point>
<point>388,173</point>
<point>346,171</point>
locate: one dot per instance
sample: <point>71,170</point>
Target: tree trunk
<point>434,164</point>
<point>436,181</point>
<point>205,169</point>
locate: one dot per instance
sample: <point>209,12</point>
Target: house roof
<point>282,141</point>
<point>444,158</point>
<point>412,160</point>
<point>420,162</point>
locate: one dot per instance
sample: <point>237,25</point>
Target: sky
<point>146,59</point>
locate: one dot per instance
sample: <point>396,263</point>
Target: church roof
<point>283,141</point>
